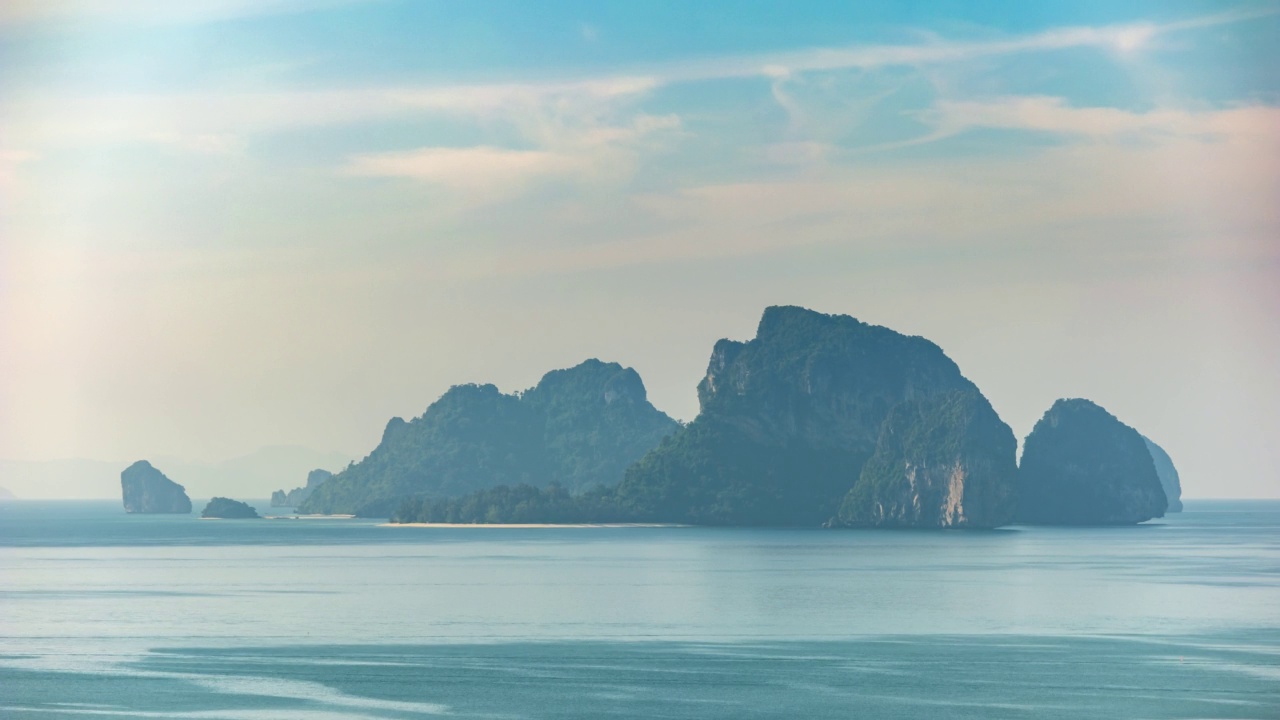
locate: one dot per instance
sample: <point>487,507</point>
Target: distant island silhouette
<point>820,420</point>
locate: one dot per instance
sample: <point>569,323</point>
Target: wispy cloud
<point>578,152</point>
<point>471,168</point>
<point>1123,38</point>
<point>152,12</point>
<point>61,119</point>
<point>1054,115</point>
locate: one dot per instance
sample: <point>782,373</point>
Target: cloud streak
<point>152,12</point>
<point>1054,115</point>
<point>1122,38</point>
<point>42,120</point>
<point>471,168</point>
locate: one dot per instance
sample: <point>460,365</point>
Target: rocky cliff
<point>1082,466</point>
<point>789,419</point>
<point>147,490</point>
<point>579,427</point>
<point>944,461</point>
<point>296,496</point>
<point>1167,473</point>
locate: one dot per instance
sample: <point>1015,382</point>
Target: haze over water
<point>104,614</point>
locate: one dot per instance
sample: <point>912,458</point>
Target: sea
<point>109,615</point>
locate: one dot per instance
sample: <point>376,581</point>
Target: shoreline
<point>309,517</point>
<point>530,526</point>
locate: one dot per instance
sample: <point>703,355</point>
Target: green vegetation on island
<point>579,427</point>
<point>519,504</point>
<point>818,420</point>
<point>146,490</point>
<point>228,509</point>
<point>788,422</point>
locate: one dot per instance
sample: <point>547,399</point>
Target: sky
<point>234,224</point>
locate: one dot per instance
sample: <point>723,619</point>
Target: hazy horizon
<point>230,225</point>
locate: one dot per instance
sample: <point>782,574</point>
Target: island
<point>146,490</point>
<point>1082,466</point>
<point>228,509</point>
<point>790,420</point>
<point>818,420</point>
<point>578,427</point>
<point>298,495</point>
<point>6,495</point>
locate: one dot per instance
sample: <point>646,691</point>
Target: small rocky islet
<point>227,509</point>
<point>147,490</point>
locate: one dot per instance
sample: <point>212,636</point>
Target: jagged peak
<point>394,425</point>
<point>609,380</point>
<point>779,317</point>
<point>1075,406</point>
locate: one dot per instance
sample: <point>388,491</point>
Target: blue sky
<point>227,224</point>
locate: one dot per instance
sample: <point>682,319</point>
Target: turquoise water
<point>103,614</point>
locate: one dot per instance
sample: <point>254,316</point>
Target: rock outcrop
<point>1167,473</point>
<point>228,509</point>
<point>1082,466</point>
<point>147,490</point>
<point>578,427</point>
<point>945,461</point>
<point>296,496</point>
<point>789,419</point>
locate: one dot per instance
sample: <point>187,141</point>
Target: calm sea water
<point>103,614</point>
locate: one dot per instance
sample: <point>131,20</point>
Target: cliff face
<point>789,419</point>
<point>1082,466</point>
<point>943,461</point>
<point>296,496</point>
<point>1167,473</point>
<point>578,427</point>
<point>147,490</point>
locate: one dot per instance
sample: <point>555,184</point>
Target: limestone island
<point>147,490</point>
<point>228,509</point>
<point>819,420</point>
<point>1082,466</point>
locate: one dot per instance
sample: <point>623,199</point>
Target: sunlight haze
<point>228,226</point>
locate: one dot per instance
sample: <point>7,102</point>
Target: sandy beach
<point>309,517</point>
